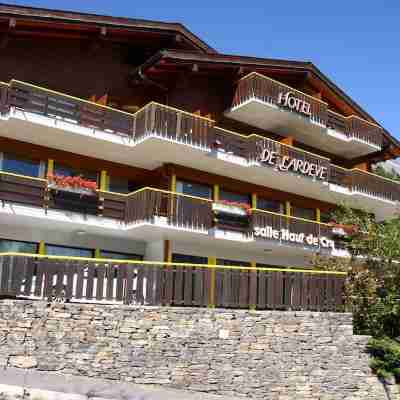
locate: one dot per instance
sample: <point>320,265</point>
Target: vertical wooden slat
<point>30,269</point>
<point>169,285</point>
<point>188,287</point>
<point>178,286</point>
<point>41,267</point>
<point>244,289</point>
<point>130,274</point>
<point>121,276</point>
<point>110,274</point>
<point>70,273</point>
<point>80,271</point>
<point>90,281</point>
<point>261,289</point>
<point>100,268</point>
<point>227,288</point>
<point>141,271</point>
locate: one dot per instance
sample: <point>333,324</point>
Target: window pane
<point>306,213</point>
<point>68,251</point>
<point>185,258</point>
<point>15,246</point>
<point>269,205</point>
<point>234,197</point>
<point>21,166</point>
<point>120,256</point>
<point>68,171</point>
<point>118,185</point>
<point>193,189</point>
<point>234,263</point>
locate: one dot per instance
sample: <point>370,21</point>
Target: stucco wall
<point>269,355</point>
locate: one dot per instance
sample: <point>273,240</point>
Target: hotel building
<point>131,139</point>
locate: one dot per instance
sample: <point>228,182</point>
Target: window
<point>306,213</point>
<point>56,250</point>
<point>193,189</point>
<point>16,246</point>
<point>188,259</point>
<point>119,256</point>
<point>69,171</point>
<point>118,185</point>
<point>234,197</point>
<point>234,263</point>
<point>269,205</point>
<point>20,165</point>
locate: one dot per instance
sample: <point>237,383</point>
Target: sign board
<point>286,163</point>
<point>285,235</point>
<point>289,100</point>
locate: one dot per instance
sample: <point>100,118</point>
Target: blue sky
<point>355,42</point>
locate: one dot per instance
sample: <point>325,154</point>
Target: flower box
<point>72,184</point>
<point>231,208</point>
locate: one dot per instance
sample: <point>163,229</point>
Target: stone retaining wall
<point>269,355</point>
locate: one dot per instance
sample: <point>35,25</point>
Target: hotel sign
<point>292,102</point>
<point>286,163</point>
<point>285,235</point>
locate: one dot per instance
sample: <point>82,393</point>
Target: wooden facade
<point>135,81</point>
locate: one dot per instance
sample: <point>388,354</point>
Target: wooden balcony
<point>75,279</point>
<point>263,102</point>
<point>176,127</point>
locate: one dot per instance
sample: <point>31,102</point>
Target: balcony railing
<point>76,279</point>
<point>355,127</point>
<point>181,127</point>
<point>267,90</point>
<point>259,87</point>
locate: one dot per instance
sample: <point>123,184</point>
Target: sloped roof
<point>45,14</point>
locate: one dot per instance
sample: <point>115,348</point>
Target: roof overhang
<point>243,65</point>
<point>75,20</point>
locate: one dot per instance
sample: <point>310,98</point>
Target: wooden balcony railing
<point>178,210</point>
<point>22,189</point>
<point>76,279</point>
<point>262,88</point>
<point>267,90</point>
<point>366,183</point>
<point>356,128</point>
<point>185,128</point>
<point>305,233</point>
<point>172,124</point>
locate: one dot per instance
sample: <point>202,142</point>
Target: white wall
<point>154,251</point>
<point>87,240</point>
<point>283,256</point>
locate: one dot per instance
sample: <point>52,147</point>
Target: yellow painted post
<point>103,180</point>
<point>97,253</point>
<point>173,196</point>
<point>254,200</point>
<point>211,301</point>
<point>216,192</point>
<point>50,167</point>
<point>318,215</point>
<point>42,248</point>
<point>288,209</point>
<point>173,183</point>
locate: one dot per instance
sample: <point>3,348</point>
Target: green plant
<point>372,287</point>
<point>386,357</point>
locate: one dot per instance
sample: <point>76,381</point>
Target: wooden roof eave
<point>70,17</point>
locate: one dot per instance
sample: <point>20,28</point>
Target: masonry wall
<point>269,355</point>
